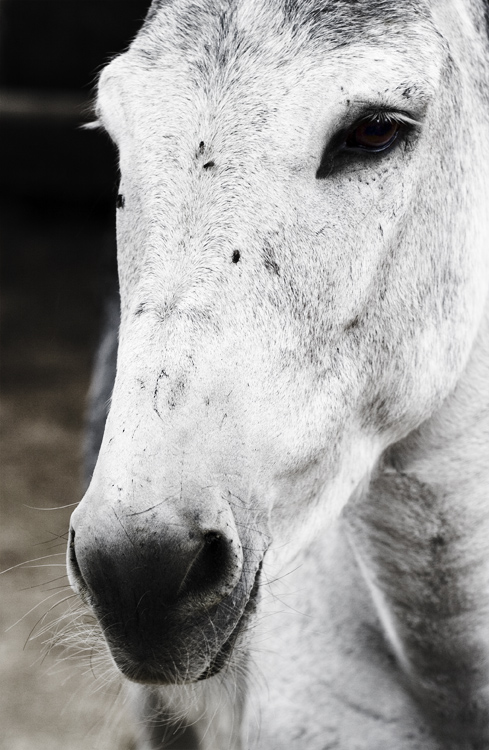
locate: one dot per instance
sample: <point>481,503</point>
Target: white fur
<point>360,448</point>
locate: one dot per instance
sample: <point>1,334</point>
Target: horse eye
<point>373,135</point>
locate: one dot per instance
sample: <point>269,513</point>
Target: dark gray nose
<point>194,564</point>
<point>147,579</point>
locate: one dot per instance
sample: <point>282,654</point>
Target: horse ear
<point>109,107</point>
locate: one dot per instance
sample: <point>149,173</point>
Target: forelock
<point>189,23</point>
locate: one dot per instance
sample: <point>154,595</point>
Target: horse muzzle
<point>167,582</point>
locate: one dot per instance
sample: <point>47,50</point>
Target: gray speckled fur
<point>374,633</point>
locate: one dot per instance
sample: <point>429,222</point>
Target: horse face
<point>298,292</point>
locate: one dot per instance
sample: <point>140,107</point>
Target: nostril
<point>74,571</point>
<point>192,567</point>
<point>211,537</point>
<point>215,552</point>
<point>210,568</point>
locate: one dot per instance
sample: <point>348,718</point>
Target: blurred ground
<point>51,302</point>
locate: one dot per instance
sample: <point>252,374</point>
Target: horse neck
<point>421,537</point>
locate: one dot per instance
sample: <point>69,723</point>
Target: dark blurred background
<point>57,189</point>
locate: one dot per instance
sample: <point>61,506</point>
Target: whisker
<point>54,535</point>
<point>34,559</point>
<point>41,619</point>
<point>57,507</point>
<point>47,565</point>
<point>280,578</point>
<point>57,544</point>
<point>44,583</point>
<point>39,604</point>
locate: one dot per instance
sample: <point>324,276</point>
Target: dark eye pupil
<point>377,129</point>
<point>373,135</point>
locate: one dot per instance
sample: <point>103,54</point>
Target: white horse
<point>286,535</point>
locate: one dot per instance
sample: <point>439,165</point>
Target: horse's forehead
<point>317,24</point>
<point>317,13</point>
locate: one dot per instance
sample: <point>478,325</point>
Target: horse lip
<point>224,654</point>
<point>143,672</point>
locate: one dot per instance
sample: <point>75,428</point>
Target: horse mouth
<point>221,659</point>
<point>160,668</point>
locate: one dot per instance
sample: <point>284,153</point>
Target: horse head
<point>303,272</point>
